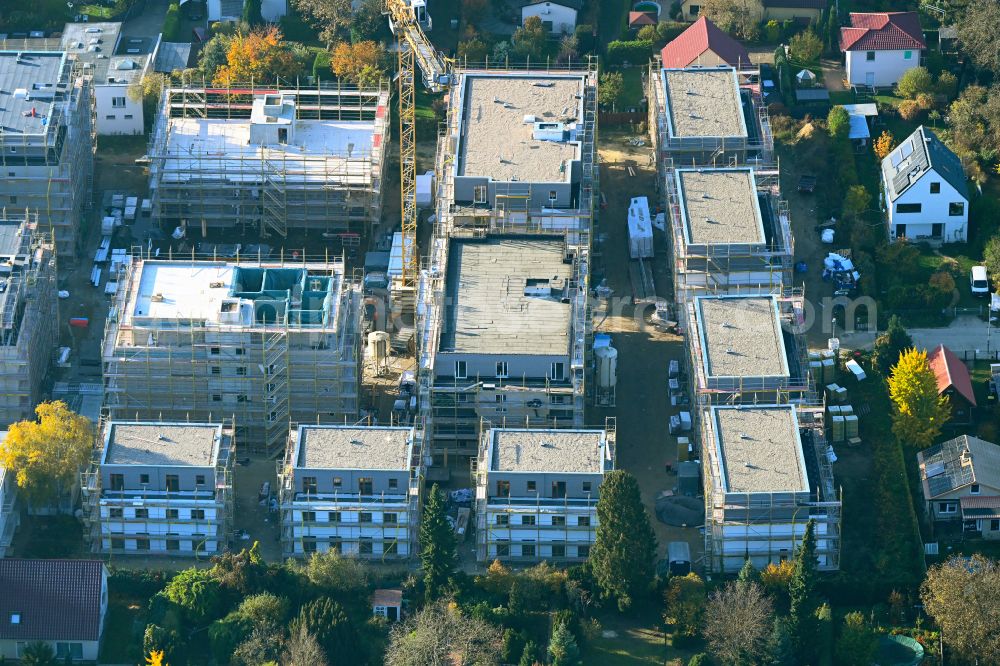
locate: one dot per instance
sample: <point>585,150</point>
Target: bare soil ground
<point>643,407</point>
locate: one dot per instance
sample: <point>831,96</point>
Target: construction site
<point>160,488</point>
<point>29,319</point>
<point>730,232</point>
<point>513,221</point>
<point>270,160</point>
<point>767,475</point>
<point>47,143</point>
<point>355,490</point>
<point>264,342</point>
<point>537,489</point>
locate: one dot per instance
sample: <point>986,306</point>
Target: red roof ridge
<point>699,37</point>
<point>941,361</point>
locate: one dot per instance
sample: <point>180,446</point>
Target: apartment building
<point>506,337</point>
<point>28,316</point>
<point>537,490</point>
<point>161,488</point>
<point>766,475</point>
<point>702,116</point>
<point>270,159</point>
<point>266,343</point>
<point>353,490</point>
<point>46,147</point>
<point>731,231</point>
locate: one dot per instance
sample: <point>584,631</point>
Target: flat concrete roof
<point>347,447</point>
<point>759,449</point>
<point>489,311</point>
<point>189,290</point>
<point>110,56</point>
<point>741,336</point>
<point>170,444</point>
<point>569,451</point>
<point>217,149</point>
<point>704,102</point>
<point>497,143</point>
<point>720,206</point>
<point>28,82</point>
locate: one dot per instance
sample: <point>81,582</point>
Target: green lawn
<point>956,259</point>
<point>635,644</point>
<point>612,17</point>
<point>97,11</point>
<point>632,90</point>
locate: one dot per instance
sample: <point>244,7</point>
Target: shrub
<point>636,52</point>
<point>947,85</point>
<point>914,82</point>
<point>172,24</point>
<point>322,68</point>
<point>585,38</point>
<point>648,33</point>
<point>806,46</point>
<point>838,123</point>
<point>909,109</point>
<point>926,101</point>
<point>668,30</point>
<point>772,31</point>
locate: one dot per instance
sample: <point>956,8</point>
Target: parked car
<point>980,281</point>
<point>679,556</point>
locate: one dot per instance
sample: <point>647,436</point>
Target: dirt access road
<point>642,408</point>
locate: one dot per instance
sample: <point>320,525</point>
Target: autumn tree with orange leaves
<point>259,55</point>
<point>359,63</point>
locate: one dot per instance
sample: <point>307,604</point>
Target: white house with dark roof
<point>960,479</point>
<point>925,190</point>
<point>880,47</point>
<point>59,602</point>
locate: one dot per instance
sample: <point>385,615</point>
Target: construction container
<point>640,229</point>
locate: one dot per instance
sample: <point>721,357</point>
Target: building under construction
<point>537,491</point>
<point>767,474</point>
<point>271,159</point>
<point>162,488</point>
<point>730,231</point>
<point>703,116</point>
<point>354,490</point>
<point>264,342</point>
<point>28,316</point>
<point>47,145</point>
<point>503,317</point>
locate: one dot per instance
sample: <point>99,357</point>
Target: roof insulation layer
<point>566,451</point>
<point>720,206</point>
<point>498,143</point>
<point>339,447</point>
<point>741,336</point>
<point>759,449</point>
<point>704,103</point>
<point>171,444</point>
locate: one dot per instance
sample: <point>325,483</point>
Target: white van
<point>980,281</point>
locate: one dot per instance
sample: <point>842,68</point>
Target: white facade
<point>943,216</point>
<point>369,529</point>
<point>556,18</point>
<point>558,530</point>
<point>150,526</point>
<point>273,10</point>
<point>115,112</point>
<point>879,69</point>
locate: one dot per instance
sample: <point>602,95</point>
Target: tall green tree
<point>609,92</point>
<point>685,603</point>
<point>802,595</point>
<point>328,622</point>
<point>529,40</point>
<point>918,412</point>
<point>437,545</point>
<point>563,649</point>
<point>251,13</point>
<point>749,573</point>
<point>961,595</point>
<point>624,548</point>
<point>889,345</point>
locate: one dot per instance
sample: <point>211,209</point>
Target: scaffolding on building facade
<point>773,522</point>
<point>98,528</point>
<point>273,188</point>
<point>700,269</point>
<point>50,174</point>
<point>29,320</point>
<point>290,502</point>
<point>266,373</point>
<point>490,534</point>
<point>511,215</point>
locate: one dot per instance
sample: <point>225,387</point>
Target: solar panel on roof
<point>939,484</point>
<point>900,181</point>
<point>896,159</point>
<point>906,149</point>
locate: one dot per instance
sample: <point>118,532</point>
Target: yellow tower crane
<point>414,50</point>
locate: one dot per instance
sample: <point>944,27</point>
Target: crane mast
<point>414,50</point>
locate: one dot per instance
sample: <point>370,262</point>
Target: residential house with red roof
<point>703,44</point>
<point>953,380</point>
<point>880,47</point>
<point>59,602</point>
<point>960,480</point>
